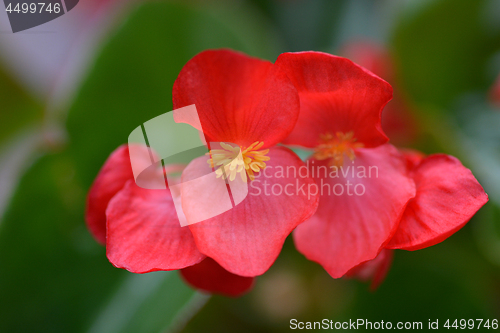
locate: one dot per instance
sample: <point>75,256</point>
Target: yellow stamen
<point>335,147</point>
<point>229,164</point>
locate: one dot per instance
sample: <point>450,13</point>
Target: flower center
<point>336,147</point>
<point>228,164</point>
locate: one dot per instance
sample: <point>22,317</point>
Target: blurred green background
<point>55,278</point>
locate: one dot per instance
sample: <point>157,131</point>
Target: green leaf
<point>52,273</point>
<point>443,50</point>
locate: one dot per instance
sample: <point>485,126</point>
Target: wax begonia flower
<point>397,120</point>
<point>342,104</point>
<point>396,206</point>
<point>353,223</point>
<point>245,102</point>
<point>140,227</point>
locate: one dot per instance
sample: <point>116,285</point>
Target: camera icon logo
<point>155,160</point>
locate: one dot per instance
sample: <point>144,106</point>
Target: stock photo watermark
<point>230,173</point>
<point>324,175</point>
<point>26,14</point>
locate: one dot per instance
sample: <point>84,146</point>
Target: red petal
<point>247,239</point>
<point>336,95</point>
<point>209,276</point>
<point>238,98</point>
<point>115,172</point>
<point>448,195</point>
<point>375,270</point>
<point>350,229</point>
<point>144,234</point>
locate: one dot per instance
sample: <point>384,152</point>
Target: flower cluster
<point>313,100</point>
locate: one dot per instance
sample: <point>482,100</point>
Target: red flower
<point>250,103</point>
<point>401,204</point>
<point>241,101</point>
